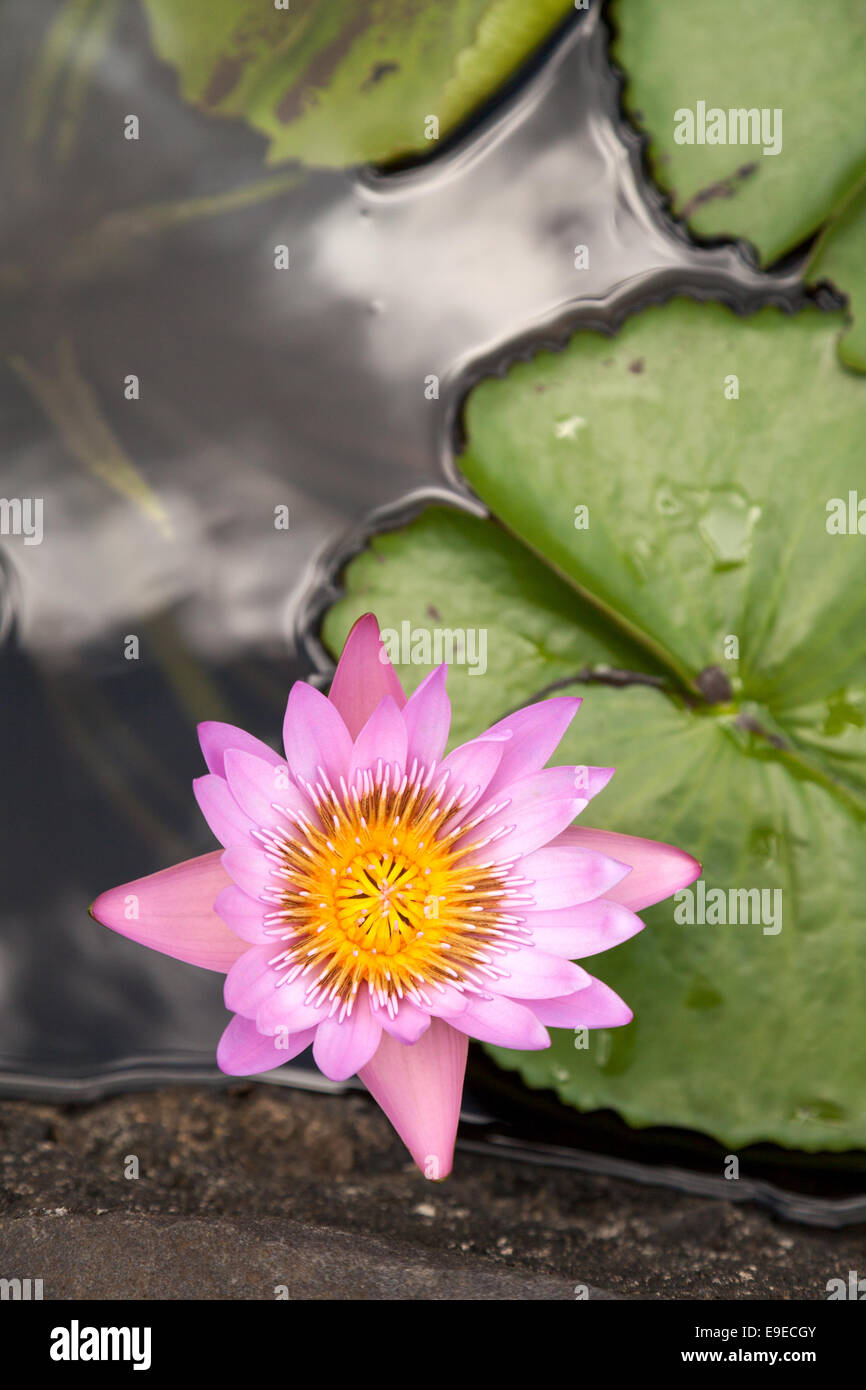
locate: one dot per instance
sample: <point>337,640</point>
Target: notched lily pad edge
<point>325,584</point>
<point>657,193</point>
<point>606,316</point>
<point>659,196</point>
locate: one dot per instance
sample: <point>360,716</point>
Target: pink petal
<point>594,1007</point>
<point>251,980</point>
<point>446,1002</point>
<point>383,737</point>
<point>285,1008</point>
<point>536,732</point>
<point>470,768</point>
<point>242,915</point>
<point>408,1024</point>
<point>658,870</point>
<point>341,1049</point>
<point>215,738</point>
<point>533,974</point>
<point>539,807</point>
<point>221,811</point>
<point>420,1088</point>
<point>427,715</point>
<point>257,786</point>
<point>248,867</point>
<point>576,932</point>
<point>521,828</point>
<point>242,1051</point>
<point>503,1022</point>
<point>364,676</point>
<point>172,911</point>
<point>315,736</point>
<point>563,876</point>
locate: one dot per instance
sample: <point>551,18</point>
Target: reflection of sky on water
<point>258,389</point>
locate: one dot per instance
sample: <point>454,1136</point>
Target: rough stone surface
<point>243,1190</point>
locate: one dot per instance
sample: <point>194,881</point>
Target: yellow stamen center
<point>379,893</point>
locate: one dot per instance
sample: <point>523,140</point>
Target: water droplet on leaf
<point>725,524</point>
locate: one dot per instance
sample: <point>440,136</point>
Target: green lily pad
<point>708,521</point>
<point>707,513</point>
<point>746,1031</point>
<point>799,59</point>
<point>839,255</point>
<point>341,82</point>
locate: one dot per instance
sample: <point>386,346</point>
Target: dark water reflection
<point>259,389</point>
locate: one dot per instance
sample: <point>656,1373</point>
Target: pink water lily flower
<point>386,903</point>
